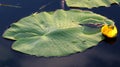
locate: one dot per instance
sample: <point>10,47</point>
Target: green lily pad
<point>58,33</point>
<point>90,3</point>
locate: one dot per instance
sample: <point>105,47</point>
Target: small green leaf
<point>58,33</point>
<point>90,3</point>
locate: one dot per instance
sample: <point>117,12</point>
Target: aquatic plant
<point>60,32</point>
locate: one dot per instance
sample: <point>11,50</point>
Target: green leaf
<point>58,33</point>
<point>90,3</point>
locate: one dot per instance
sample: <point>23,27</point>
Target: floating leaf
<point>90,3</point>
<point>58,33</point>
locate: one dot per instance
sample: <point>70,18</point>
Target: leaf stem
<point>7,5</point>
<point>63,4</point>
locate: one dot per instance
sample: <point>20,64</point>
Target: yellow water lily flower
<point>109,31</point>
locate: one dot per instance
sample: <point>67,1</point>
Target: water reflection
<point>110,40</point>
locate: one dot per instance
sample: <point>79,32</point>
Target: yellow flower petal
<point>109,31</point>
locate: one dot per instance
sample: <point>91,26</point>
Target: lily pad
<point>58,33</point>
<point>90,3</point>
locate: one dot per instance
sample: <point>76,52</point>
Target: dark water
<point>103,55</point>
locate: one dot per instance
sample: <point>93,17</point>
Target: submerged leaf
<point>90,3</point>
<point>58,33</point>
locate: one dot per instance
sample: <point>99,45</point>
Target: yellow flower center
<point>109,31</point>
